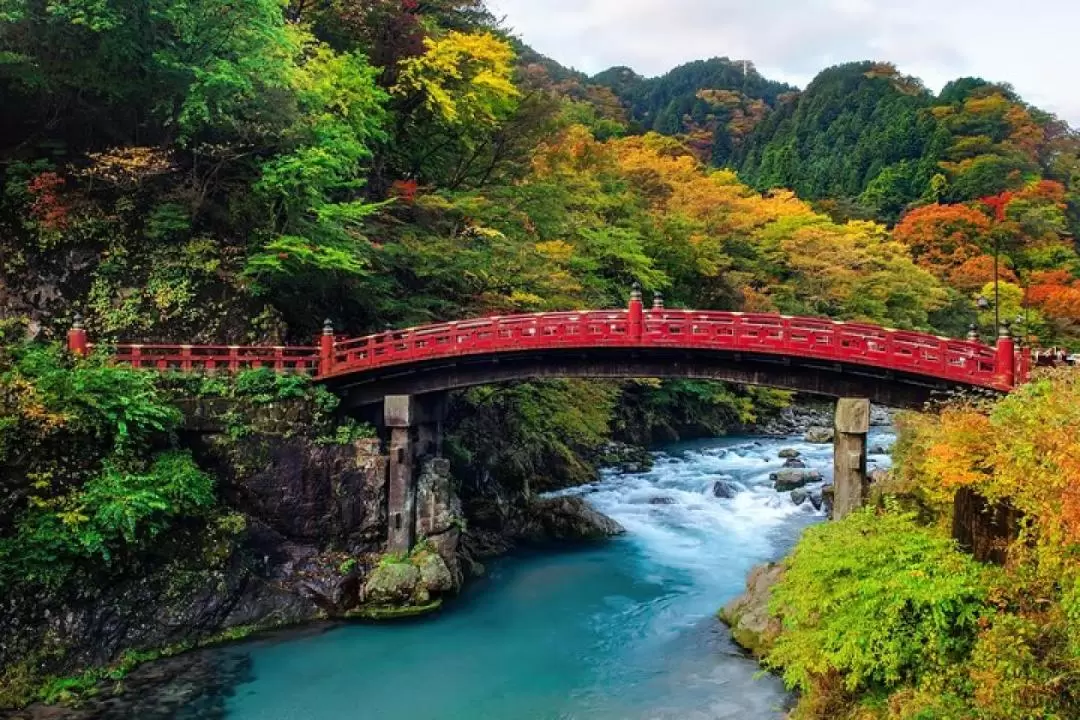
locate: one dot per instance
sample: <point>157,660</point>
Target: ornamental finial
<point>658,300</point>
<point>77,321</point>
<point>328,327</point>
<point>973,333</point>
<point>635,291</point>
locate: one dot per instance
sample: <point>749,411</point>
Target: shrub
<point>879,600</point>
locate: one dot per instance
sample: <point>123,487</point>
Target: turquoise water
<point>622,631</point>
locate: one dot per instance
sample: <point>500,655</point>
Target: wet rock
<point>789,454</point>
<point>795,464</point>
<point>752,627</point>
<point>828,496</point>
<point>787,480</point>
<point>878,475</point>
<point>725,489</point>
<point>392,584</point>
<point>802,495</point>
<point>879,450</point>
<point>819,435</point>
<point>661,501</point>
<point>630,459</point>
<point>568,518</point>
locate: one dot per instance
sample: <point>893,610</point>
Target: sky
<point>1033,45</point>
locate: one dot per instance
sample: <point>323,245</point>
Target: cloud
<point>1030,46</point>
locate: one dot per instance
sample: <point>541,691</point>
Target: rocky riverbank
<point>303,541</point>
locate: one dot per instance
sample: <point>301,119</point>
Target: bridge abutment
<point>414,424</point>
<point>849,455</point>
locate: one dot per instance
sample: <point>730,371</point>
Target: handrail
<point>961,361</point>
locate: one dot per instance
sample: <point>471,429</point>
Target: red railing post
<point>1023,372</point>
<point>636,324</point>
<point>77,343</point>
<point>1005,361</point>
<point>326,348</point>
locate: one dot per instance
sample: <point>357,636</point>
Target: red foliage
<point>47,208</point>
<point>999,203</point>
<point>406,190</point>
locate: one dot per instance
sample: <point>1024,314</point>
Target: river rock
<point>392,584</point>
<point>568,518</point>
<point>661,501</point>
<point>787,480</point>
<point>878,450</point>
<point>878,475</point>
<point>819,435</point>
<point>789,454</point>
<point>801,495</point>
<point>725,489</point>
<point>828,496</point>
<point>752,626</point>
<point>795,464</point>
<point>629,459</point>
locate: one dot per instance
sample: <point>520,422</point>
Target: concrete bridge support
<point>849,456</point>
<point>414,424</point>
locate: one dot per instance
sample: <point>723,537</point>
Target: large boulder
<point>819,435</point>
<point>795,464</point>
<point>788,480</point>
<point>801,495</point>
<point>789,454</point>
<point>392,583</point>
<point>567,518</point>
<point>434,574</point>
<point>752,627</point>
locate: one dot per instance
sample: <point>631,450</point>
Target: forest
<point>236,171</point>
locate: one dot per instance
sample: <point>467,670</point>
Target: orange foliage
<point>1056,293</point>
<point>1026,450</point>
<point>975,273</point>
<point>943,237</point>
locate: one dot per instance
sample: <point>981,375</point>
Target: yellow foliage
<point>464,79</point>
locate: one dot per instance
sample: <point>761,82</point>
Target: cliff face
<point>304,526</point>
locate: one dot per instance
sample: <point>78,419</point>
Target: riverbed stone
<point>819,435</point>
<point>795,464</point>
<point>725,489</point>
<point>752,626</point>
<point>392,583</point>
<point>789,454</point>
<point>788,480</point>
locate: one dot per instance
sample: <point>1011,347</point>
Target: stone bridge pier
<point>414,426</point>
<point>849,455</point>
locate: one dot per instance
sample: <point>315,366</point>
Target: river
<point>621,631</point>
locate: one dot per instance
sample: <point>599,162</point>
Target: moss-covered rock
<point>752,626</point>
<point>392,583</point>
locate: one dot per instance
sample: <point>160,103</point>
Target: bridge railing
<point>962,361</point>
<point>230,358</point>
<point>968,362</point>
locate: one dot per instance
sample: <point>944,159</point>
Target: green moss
<point>387,612</point>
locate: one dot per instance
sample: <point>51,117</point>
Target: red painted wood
<point>961,361</point>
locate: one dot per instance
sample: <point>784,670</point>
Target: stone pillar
<point>849,455</point>
<point>399,414</point>
<point>415,427</point>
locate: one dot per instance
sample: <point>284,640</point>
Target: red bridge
<point>811,355</point>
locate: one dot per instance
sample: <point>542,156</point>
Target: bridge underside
<point>815,377</point>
